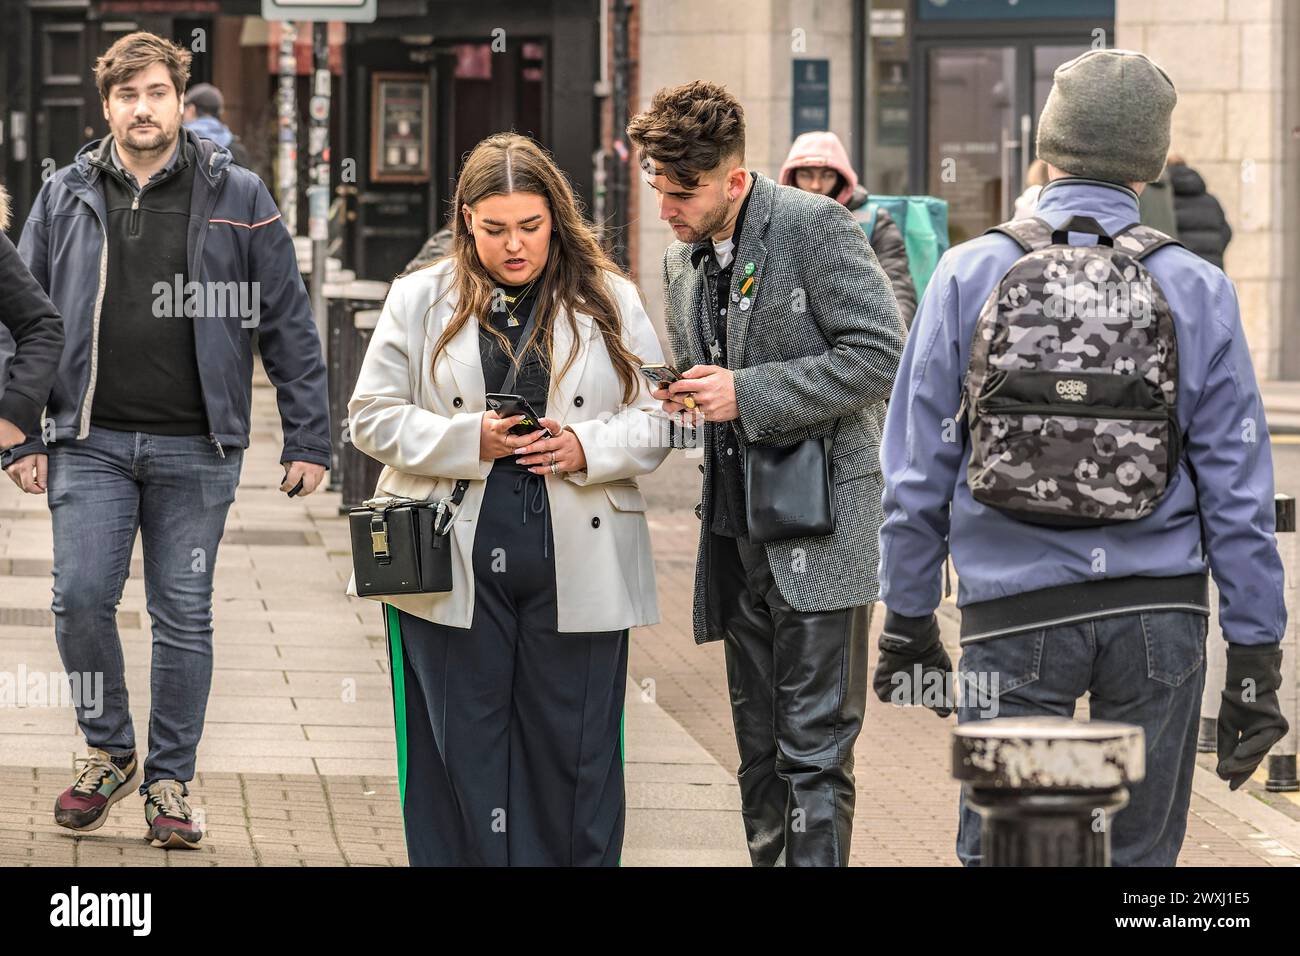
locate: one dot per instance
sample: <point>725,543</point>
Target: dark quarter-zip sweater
<point>148,373</point>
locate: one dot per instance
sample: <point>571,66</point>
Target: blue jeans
<point>1146,669</point>
<point>176,490</point>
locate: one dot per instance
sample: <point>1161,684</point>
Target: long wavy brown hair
<point>573,278</point>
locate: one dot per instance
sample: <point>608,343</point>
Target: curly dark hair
<point>689,130</point>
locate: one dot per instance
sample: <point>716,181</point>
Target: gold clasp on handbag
<point>379,536</point>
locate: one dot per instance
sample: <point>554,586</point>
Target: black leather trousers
<point>798,683</point>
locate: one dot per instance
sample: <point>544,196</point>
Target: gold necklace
<point>511,321</point>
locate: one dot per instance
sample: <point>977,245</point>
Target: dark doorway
<point>535,77</point>
<point>474,92</point>
<point>982,102</point>
<point>49,92</point>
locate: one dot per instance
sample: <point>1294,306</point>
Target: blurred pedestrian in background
<point>1156,205</point>
<point>1035,180</point>
<point>817,163</point>
<point>435,247</point>
<point>1202,225</point>
<point>203,107</point>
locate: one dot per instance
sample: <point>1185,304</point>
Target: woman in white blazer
<point>508,689</point>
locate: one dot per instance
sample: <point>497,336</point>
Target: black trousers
<point>798,684</point>
<point>509,733</point>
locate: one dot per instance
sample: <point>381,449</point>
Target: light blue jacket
<point>925,452</point>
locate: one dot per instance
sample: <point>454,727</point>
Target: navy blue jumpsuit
<point>509,732</point>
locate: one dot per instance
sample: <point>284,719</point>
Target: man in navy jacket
<point>163,258</point>
<point>1118,611</point>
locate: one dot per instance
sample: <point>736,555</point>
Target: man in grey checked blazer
<point>784,327</point>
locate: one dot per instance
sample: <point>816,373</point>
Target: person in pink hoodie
<point>817,163</point>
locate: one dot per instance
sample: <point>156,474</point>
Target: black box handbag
<point>403,545</point>
<point>790,489</point>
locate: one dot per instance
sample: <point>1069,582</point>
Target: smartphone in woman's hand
<point>506,405</point>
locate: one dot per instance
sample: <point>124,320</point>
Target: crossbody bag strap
<point>509,382</point>
<point>446,514</point>
<point>447,506</point>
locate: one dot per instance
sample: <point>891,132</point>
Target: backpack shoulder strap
<point>1140,241</point>
<point>1030,234</point>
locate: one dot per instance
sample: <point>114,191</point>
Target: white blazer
<point>424,424</point>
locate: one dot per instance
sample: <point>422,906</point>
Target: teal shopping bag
<point>923,221</point>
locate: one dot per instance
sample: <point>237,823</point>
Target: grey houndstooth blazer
<point>820,343</point>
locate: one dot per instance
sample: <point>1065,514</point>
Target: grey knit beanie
<point>1107,117</point>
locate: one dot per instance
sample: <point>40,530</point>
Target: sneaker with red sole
<point>101,783</point>
<point>171,824</point>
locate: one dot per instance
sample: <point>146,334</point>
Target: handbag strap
<point>442,523</point>
<point>829,438</point>
<point>445,513</point>
<point>509,382</point>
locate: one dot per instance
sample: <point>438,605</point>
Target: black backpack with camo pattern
<point>1071,393</point>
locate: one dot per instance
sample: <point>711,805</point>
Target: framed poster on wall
<point>399,128</point>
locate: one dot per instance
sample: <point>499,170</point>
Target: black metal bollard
<point>339,340</point>
<point>1281,759</point>
<point>345,349</point>
<point>1047,788</point>
<point>360,472</point>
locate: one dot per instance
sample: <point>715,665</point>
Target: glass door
<point>982,102</point>
<point>971,114</point>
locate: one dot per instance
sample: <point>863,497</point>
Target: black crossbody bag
<point>790,489</point>
<point>403,545</point>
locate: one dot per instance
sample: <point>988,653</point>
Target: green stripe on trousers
<point>396,666</point>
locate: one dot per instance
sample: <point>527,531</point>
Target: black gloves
<point>913,667</point>
<point>1250,719</point>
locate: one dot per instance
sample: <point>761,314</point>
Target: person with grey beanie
<point>1107,117</point>
<point>1116,610</point>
